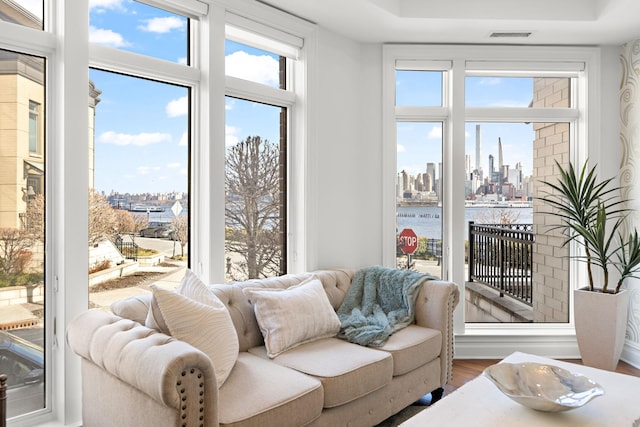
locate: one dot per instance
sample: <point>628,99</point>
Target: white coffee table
<point>480,403</point>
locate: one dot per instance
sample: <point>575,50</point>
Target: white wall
<point>344,189</point>
<point>347,154</point>
<point>607,143</point>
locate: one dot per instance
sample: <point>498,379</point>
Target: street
<point>166,247</point>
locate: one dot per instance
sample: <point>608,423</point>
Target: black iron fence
<point>501,257</point>
<point>129,250</point>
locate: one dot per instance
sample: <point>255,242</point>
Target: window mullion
<point>239,88</point>
<point>110,59</point>
<point>520,114</point>
<point>412,114</point>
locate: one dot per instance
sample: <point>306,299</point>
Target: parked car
<point>158,229</point>
<point>23,364</point>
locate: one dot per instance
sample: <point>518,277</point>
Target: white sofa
<point>135,376</point>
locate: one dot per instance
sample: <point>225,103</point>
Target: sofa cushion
<point>241,309</point>
<point>133,308</point>
<point>206,327</point>
<point>412,347</point>
<point>293,316</point>
<point>347,371</point>
<point>262,393</point>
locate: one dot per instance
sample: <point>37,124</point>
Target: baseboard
<point>553,346</point>
<point>500,346</point>
<point>631,353</point>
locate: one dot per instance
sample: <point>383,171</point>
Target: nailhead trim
<point>182,391</point>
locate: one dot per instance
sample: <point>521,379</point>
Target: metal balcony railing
<point>501,257</point>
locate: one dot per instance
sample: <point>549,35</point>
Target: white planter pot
<point>601,323</point>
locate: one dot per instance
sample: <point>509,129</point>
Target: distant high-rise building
<point>500,159</point>
<point>478,149</point>
<point>431,170</point>
<point>491,168</point>
<point>428,183</point>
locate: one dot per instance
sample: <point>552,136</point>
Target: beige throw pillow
<point>191,286</point>
<point>293,316</point>
<point>204,326</point>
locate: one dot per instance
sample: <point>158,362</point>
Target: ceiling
<point>567,22</point>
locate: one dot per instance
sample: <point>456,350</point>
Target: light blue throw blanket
<point>379,302</point>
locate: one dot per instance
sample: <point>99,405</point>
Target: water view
<point>426,221</point>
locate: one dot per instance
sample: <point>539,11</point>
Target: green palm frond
<point>591,213</point>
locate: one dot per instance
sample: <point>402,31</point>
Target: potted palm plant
<point>592,214</point>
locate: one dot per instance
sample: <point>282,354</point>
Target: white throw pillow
<point>191,286</point>
<point>293,316</point>
<point>206,327</point>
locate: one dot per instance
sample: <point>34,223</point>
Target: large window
<point>139,201</point>
<point>419,196</point>
<point>504,124</point>
<point>140,153</point>
<point>258,108</point>
<point>125,112</point>
<point>255,185</point>
<point>23,278</point>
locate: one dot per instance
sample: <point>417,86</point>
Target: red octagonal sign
<point>408,241</point>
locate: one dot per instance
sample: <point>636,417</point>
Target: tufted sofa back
<point>335,283</point>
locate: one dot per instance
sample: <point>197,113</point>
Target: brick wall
<point>550,259</point>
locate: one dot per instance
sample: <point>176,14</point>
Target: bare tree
<point>15,254</point>
<point>102,219</point>
<point>124,221</point>
<point>500,216</point>
<point>140,221</point>
<point>253,205</point>
<point>181,231</point>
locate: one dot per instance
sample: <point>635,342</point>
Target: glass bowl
<point>543,387</point>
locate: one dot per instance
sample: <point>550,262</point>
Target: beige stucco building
<point>22,125</point>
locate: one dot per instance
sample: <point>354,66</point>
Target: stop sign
<point>408,241</point>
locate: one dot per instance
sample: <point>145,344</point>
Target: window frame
<point>68,59</point>
<point>476,340</point>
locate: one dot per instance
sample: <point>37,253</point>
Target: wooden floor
<point>464,370</point>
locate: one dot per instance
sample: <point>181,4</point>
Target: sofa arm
<point>434,309</point>
<point>167,370</point>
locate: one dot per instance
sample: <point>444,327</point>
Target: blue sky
<point>145,149</point>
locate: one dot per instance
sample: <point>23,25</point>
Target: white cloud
<point>490,81</point>
<point>183,171</point>
<point>400,148</point>
<point>228,105</point>
<point>231,137</point>
<point>182,60</point>
<point>261,69</point>
<point>174,165</point>
<point>435,133</point>
<point>106,37</point>
<point>163,25</point>
<point>102,5</point>
<point>178,107</point>
<point>184,139</point>
<point>146,170</point>
<point>111,137</point>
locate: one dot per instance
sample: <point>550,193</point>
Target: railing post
<point>3,400</point>
<point>471,259</point>
<point>501,262</point>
